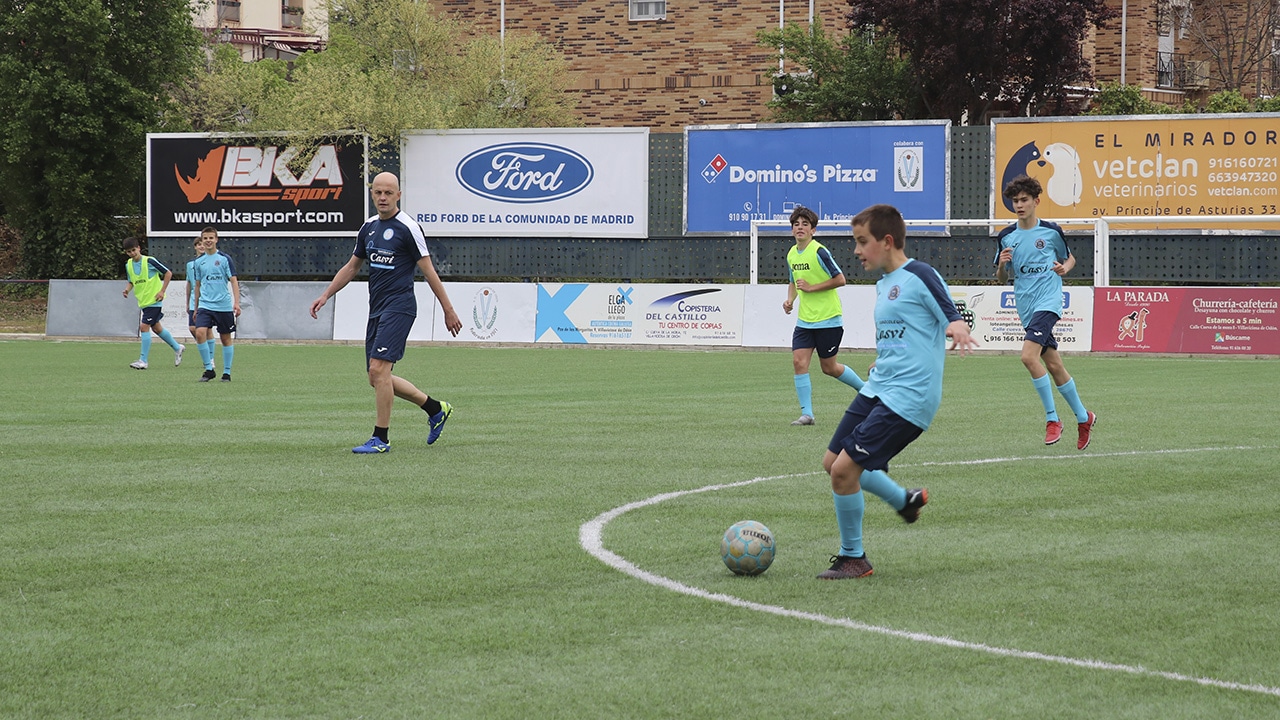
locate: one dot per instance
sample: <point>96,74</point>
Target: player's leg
<point>1038,339</point>
<point>1067,388</point>
<point>164,334</point>
<point>879,438</point>
<point>144,343</point>
<point>226,329</point>
<point>204,342</point>
<point>847,497</point>
<point>802,347</point>
<point>378,369</point>
<point>828,340</point>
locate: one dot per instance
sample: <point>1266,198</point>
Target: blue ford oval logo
<point>524,172</point>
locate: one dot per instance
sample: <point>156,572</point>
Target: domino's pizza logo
<point>714,168</point>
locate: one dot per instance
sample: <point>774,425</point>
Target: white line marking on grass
<point>590,536</point>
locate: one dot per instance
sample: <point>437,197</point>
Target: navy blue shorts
<point>385,336</point>
<point>224,320</point>
<point>151,315</point>
<point>191,318</point>
<point>1040,330</point>
<point>872,434</point>
<point>825,340</point>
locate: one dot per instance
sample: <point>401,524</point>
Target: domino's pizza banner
<point>739,173</point>
<point>1149,166</point>
<point>527,183</point>
<point>254,186</point>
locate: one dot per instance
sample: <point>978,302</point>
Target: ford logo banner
<point>524,172</point>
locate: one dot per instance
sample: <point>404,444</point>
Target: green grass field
<point>170,549</point>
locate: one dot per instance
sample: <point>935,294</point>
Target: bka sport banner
<point>738,173</point>
<point>1143,166</point>
<point>528,183</point>
<point>581,313</point>
<point>1187,320</point>
<point>254,186</point>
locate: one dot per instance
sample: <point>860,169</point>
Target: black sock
<point>381,433</point>
<point>431,406</point>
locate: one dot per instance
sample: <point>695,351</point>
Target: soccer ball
<point>747,548</point>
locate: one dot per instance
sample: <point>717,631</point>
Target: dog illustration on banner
<point>1064,187</point>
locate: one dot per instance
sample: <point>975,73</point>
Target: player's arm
<point>961,339</point>
<point>235,295</point>
<point>127,287</point>
<point>1064,267</point>
<point>451,320</point>
<point>168,275</point>
<point>345,274</point>
<point>1002,265</point>
<point>836,281</point>
<point>790,302</point>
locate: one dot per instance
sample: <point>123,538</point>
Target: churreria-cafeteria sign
<point>1143,166</point>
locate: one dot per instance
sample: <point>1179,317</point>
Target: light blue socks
<point>850,378</point>
<point>849,511</point>
<point>1044,388</point>
<point>804,393</point>
<point>1073,399</point>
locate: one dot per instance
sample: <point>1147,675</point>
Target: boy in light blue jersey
<point>815,279</point>
<point>192,297</point>
<point>1034,252</point>
<point>148,279</point>
<point>218,304</point>
<point>914,316</point>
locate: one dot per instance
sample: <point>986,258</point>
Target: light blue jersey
<point>1036,286</point>
<point>214,273</point>
<point>913,309</point>
<point>191,286</point>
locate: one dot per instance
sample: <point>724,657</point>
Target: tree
<point>1237,36</point>
<point>390,66</point>
<point>1117,99</point>
<point>969,54</point>
<point>860,78</point>
<point>81,83</point>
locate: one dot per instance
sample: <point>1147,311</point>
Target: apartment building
<point>666,64</point>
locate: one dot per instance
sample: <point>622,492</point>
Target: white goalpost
<point>1102,233</point>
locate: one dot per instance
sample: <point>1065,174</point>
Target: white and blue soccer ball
<point>747,548</point>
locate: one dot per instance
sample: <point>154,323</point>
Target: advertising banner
<point>581,313</point>
<point>992,315</point>
<point>528,183</point>
<point>1187,320</point>
<point>738,173</point>
<point>1143,166</point>
<point>248,187</point>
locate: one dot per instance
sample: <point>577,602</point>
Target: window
<point>648,9</point>
<point>229,10</point>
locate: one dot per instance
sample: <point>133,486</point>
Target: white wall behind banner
<point>490,312</point>
<point>528,183</point>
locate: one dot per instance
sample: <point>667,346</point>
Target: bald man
<point>393,245</point>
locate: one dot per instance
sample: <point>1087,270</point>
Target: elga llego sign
<point>736,174</point>
<point>528,183</point>
<point>649,314</point>
<point>254,186</point>
<point>1143,166</point>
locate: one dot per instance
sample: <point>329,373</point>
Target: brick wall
<point>654,72</point>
